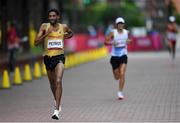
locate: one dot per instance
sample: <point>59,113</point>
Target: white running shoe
<point>120,95</point>
<point>56,115</point>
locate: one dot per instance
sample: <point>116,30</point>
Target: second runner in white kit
<point>119,38</point>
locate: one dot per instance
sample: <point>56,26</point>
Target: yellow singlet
<point>54,42</point>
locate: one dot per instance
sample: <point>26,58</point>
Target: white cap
<point>119,20</point>
<point>172,18</point>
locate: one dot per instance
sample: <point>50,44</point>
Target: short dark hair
<point>53,10</point>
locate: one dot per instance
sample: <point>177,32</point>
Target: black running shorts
<point>116,61</point>
<point>51,62</point>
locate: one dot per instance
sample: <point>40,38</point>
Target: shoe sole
<point>55,117</point>
<point>120,98</point>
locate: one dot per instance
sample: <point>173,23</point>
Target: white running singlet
<point>121,38</point>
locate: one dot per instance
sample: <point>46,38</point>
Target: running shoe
<point>120,95</point>
<point>56,115</point>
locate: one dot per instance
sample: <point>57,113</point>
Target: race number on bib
<point>55,44</point>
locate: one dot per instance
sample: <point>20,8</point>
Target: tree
<point>102,13</point>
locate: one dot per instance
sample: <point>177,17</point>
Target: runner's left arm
<point>129,39</point>
<point>175,27</point>
<point>67,32</point>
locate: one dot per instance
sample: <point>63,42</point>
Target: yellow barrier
<point>87,56</point>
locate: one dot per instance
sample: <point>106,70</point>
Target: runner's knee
<point>116,77</point>
<point>58,82</point>
<point>122,74</point>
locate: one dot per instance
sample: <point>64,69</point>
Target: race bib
<point>121,42</point>
<point>171,36</point>
<point>55,44</point>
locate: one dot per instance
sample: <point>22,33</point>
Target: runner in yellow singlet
<point>52,34</point>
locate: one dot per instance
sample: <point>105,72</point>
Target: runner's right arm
<point>108,39</point>
<point>42,34</point>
